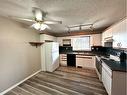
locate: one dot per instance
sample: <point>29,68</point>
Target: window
<point>81,44</point>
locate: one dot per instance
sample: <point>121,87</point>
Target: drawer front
<point>63,63</point>
<point>85,61</point>
<point>63,59</point>
<point>82,56</point>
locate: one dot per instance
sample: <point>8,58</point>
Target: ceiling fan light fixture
<point>40,26</point>
<point>36,26</point>
<point>43,26</point>
<point>39,22</point>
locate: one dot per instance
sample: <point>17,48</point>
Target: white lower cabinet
<point>107,78</point>
<point>114,81</point>
<point>85,61</point>
<point>63,59</point>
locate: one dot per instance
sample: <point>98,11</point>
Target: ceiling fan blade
<point>48,27</point>
<point>23,19</point>
<point>52,22</point>
<point>30,20</point>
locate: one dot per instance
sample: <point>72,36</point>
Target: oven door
<point>99,67</point>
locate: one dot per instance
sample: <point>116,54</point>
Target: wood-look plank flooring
<point>63,81</point>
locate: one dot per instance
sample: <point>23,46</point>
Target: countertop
<point>113,65</point>
<point>87,53</point>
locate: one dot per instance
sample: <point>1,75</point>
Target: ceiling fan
<point>39,22</point>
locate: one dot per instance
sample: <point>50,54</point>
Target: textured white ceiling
<point>101,13</point>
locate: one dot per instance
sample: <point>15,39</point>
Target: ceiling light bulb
<point>36,26</point>
<point>43,26</point>
<point>38,15</point>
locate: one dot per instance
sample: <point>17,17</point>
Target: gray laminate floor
<point>63,81</point>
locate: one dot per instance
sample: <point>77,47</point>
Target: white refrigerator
<point>50,56</point>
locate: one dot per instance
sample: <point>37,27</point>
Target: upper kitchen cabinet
<point>118,33</point>
<point>107,34</point>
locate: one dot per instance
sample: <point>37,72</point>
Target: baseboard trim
<point>19,83</point>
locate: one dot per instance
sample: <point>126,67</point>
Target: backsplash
<point>119,53</point>
<point>111,51</point>
<point>107,51</point>
<point>101,50</point>
<point>115,52</point>
<point>65,49</point>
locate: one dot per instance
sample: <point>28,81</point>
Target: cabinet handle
<point>85,57</point>
<point>64,56</point>
<point>64,60</point>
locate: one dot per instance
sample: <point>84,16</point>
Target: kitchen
<point>109,62</point>
<point>49,49</point>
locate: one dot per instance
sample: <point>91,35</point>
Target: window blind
<point>81,44</point>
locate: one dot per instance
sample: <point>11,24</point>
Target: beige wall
<point>44,37</point>
<point>95,39</point>
<point>18,59</point>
